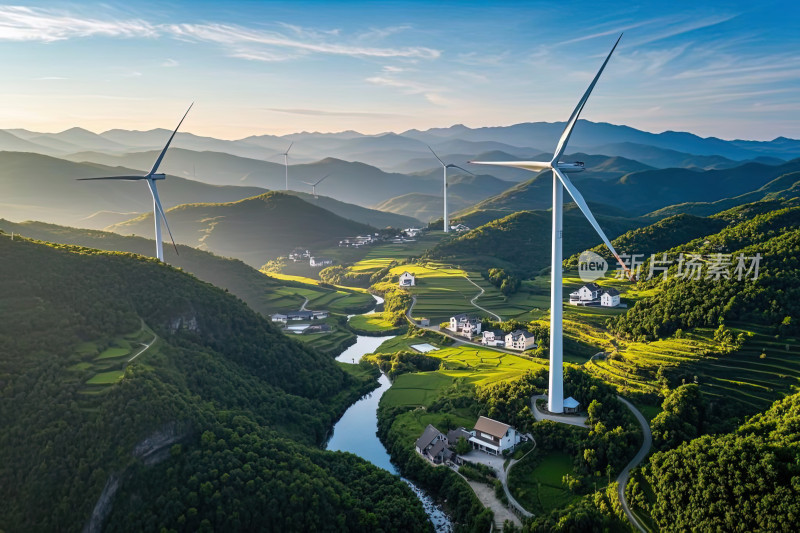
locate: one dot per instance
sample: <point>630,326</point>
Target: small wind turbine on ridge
<point>445,166</point>
<point>314,185</point>
<point>560,182</point>
<point>151,178</point>
<point>286,163</point>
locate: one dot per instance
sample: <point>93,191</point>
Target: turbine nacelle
<point>157,176</point>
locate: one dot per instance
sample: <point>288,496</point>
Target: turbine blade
<point>581,203</point>
<point>573,119</point>
<point>459,168</point>
<point>113,178</point>
<point>533,166</point>
<point>290,147</point>
<point>164,151</point>
<point>154,192</point>
<point>436,156</point>
<point>322,178</point>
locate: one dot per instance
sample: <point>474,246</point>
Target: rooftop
<point>491,427</point>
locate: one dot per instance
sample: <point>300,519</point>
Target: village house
<point>412,232</point>
<point>432,445</point>
<point>280,317</point>
<point>424,322</point>
<point>318,315</point>
<point>493,337</point>
<point>465,325</point>
<point>493,437</point>
<point>520,340</point>
<point>407,279</point>
<point>299,315</point>
<point>589,293</point>
<point>610,298</point>
<point>319,262</point>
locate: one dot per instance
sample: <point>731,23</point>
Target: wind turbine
<point>286,163</point>
<point>560,171</point>
<point>445,166</point>
<point>314,185</point>
<point>151,177</point>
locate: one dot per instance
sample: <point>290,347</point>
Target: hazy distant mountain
<point>664,158</point>
<point>254,230</point>
<point>39,187</point>
<point>592,134</point>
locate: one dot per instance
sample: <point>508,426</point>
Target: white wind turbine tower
<point>314,185</point>
<point>286,163</point>
<point>151,177</point>
<point>445,166</point>
<point>560,171</point>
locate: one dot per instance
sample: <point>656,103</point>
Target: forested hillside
<point>522,241</point>
<point>770,299</point>
<point>255,288</point>
<point>748,480</point>
<point>254,230</point>
<point>116,370</point>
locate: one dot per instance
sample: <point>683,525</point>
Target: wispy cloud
<point>48,25</point>
<point>431,93</point>
<point>170,63</point>
<point>262,44</point>
<point>18,23</point>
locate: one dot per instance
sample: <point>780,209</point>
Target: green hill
<point>216,425</point>
<point>743,481</point>
<point>377,218</point>
<point>255,229</point>
<point>641,192</point>
<point>261,292</point>
<point>522,240</point>
<point>38,187</point>
<point>785,186</point>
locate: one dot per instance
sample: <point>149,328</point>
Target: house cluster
<point>299,315</point>
<point>459,228</point>
<point>298,255</point>
<point>592,294</point>
<point>360,240</point>
<point>465,325</point>
<point>488,436</point>
<point>519,339</point>
<point>406,279</point>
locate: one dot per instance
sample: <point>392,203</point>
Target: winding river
<point>357,431</point>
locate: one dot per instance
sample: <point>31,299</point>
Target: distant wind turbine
<point>445,166</point>
<point>286,163</point>
<point>560,171</point>
<point>314,185</point>
<point>151,177</point>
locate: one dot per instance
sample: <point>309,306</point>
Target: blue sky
<point>725,69</point>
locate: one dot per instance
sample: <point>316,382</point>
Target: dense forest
<point>516,242</point>
<point>748,480</point>
<point>182,431</point>
<point>772,298</point>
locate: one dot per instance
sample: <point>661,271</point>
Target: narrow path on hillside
<point>146,346</point>
<point>495,315</point>
<point>622,479</point>
<point>303,307</point>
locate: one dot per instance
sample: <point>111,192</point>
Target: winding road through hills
<point>623,477</point>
